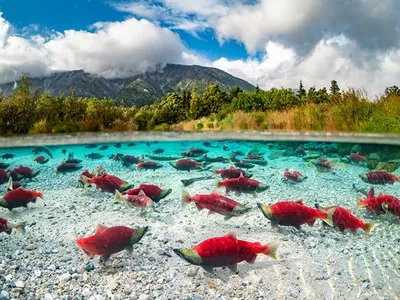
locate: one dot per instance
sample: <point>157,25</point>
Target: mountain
<point>138,90</point>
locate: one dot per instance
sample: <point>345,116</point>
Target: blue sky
<point>61,15</point>
<point>272,43</point>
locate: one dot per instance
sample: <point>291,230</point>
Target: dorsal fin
<point>215,192</point>
<point>241,175</point>
<point>371,192</point>
<point>141,193</point>
<point>100,228</point>
<point>231,235</point>
<point>232,167</point>
<point>300,202</point>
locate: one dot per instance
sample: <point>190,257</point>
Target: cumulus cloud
<point>330,59</point>
<point>117,49</point>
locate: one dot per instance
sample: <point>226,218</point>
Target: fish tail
<point>185,197</point>
<point>19,226</point>
<point>9,185</point>
<point>118,196</point>
<point>329,216</point>
<point>219,184</point>
<point>215,171</point>
<point>271,250</point>
<point>85,181</point>
<point>368,227</point>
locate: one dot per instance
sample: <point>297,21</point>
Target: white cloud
<point>282,67</point>
<point>117,49</point>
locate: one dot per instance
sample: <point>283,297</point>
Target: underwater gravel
<point>315,263</point>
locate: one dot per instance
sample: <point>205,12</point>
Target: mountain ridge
<point>139,90</point>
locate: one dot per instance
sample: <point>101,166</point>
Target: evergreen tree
<point>302,92</point>
<point>334,89</point>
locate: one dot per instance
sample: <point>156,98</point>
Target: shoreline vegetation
<point>350,110</point>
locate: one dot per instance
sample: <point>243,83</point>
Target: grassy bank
<point>27,111</point>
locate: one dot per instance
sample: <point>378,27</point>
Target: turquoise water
<point>319,262</point>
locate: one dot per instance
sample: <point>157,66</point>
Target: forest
<point>31,112</point>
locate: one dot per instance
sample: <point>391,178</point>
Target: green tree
<point>392,91</point>
<point>302,92</point>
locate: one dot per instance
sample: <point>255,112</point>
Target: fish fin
<point>100,228</point>
<point>118,196</point>
<point>241,175</point>
<point>385,207</point>
<point>371,192</point>
<point>369,227</point>
<point>311,223</point>
<point>233,268</point>
<point>141,193</point>
<point>129,248</point>
<point>216,193</point>
<point>9,186</point>
<point>231,235</point>
<point>210,212</point>
<point>226,218</point>
<point>329,216</point>
<point>104,258</point>
<point>85,181</point>
<point>360,203</point>
<point>298,227</point>
<point>87,253</point>
<point>317,206</point>
<point>300,202</point>
<point>199,207</point>
<point>18,226</point>
<point>252,259</point>
<point>185,197</point>
<point>271,250</point>
<point>208,269</point>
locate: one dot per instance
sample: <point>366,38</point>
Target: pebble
<point>48,297</point>
<point>192,272</point>
<point>52,268</point>
<point>37,273</point>
<point>4,294</point>
<point>64,277</point>
<point>144,297</point>
<point>86,293</point>
<point>31,247</point>
<point>89,267</point>
<point>19,284</point>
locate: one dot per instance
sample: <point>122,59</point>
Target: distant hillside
<point>138,90</point>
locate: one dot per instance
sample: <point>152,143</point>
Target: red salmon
<point>225,251</point>
<point>7,226</point>
<point>242,184</point>
<point>19,198</point>
<point>151,190</point>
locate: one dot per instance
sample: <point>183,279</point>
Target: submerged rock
<point>372,160</point>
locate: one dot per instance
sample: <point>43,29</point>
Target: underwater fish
<point>4,175</point>
<point>225,148</point>
<point>41,159</point>
<point>128,160</point>
<point>19,198</point>
<point>7,156</point>
<point>7,226</point>
<point>26,172</point>
<point>393,208</point>
<point>67,167</point>
<point>242,184</point>
<point>294,213</point>
<point>226,251</point>
<point>154,192</point>
<point>91,146</point>
<point>162,157</point>
<point>41,149</point>
<point>194,152</point>
<point>323,165</point>
<point>345,220</point>
<point>94,155</point>
<point>104,147</point>
<point>4,165</point>
<point>139,200</point>
<point>64,151</point>
<point>375,204</point>
<point>301,151</point>
<point>356,158</point>
<point>260,162</point>
<point>244,165</point>
<point>187,182</point>
<point>73,161</point>
<point>148,165</point>
<point>117,145</point>
<point>111,240</point>
<point>87,174</point>
<point>186,164</point>
<point>216,203</point>
<point>158,151</point>
<point>107,183</point>
<point>232,172</point>
<point>131,145</point>
<point>208,159</point>
<point>293,176</point>
<point>255,157</point>
<point>379,177</point>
